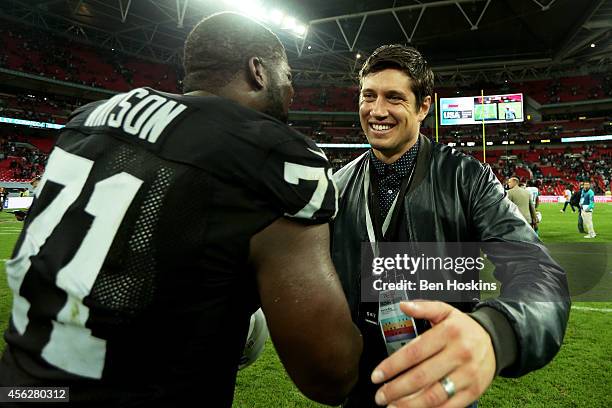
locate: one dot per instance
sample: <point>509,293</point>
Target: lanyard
<point>368,216</point>
<point>396,328</point>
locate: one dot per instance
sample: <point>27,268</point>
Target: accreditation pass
<point>397,328</point>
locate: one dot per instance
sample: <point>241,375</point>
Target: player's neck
<point>242,96</point>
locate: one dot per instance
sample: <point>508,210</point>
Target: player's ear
<point>256,74</point>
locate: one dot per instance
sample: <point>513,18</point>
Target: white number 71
<point>71,346</point>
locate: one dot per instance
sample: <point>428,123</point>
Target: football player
<point>128,305</point>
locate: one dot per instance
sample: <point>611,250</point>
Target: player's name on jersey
<point>139,112</point>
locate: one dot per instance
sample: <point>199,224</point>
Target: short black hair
<point>408,60</point>
<point>220,46</point>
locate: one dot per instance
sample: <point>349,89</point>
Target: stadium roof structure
<point>466,41</point>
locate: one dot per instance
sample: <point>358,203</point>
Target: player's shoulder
<point>224,134</point>
<point>200,125</point>
<point>238,123</point>
<point>134,104</point>
<point>269,134</point>
<point>275,133</point>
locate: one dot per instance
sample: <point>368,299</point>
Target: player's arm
<point>306,310</point>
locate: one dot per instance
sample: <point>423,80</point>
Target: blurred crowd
<point>66,60</point>
<point>20,160</point>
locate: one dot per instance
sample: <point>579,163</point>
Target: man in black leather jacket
<point>442,196</point>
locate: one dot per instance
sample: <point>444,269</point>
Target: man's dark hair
<point>220,46</point>
<point>406,59</point>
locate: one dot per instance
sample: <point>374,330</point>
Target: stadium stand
<point>68,61</point>
<point>21,164</point>
<point>38,107</point>
<point>572,89</point>
<point>553,168</point>
<point>23,153</point>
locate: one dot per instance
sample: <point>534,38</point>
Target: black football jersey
<point>131,280</point>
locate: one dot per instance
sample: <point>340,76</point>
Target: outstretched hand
<point>456,347</point>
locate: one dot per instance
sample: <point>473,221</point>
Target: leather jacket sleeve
<point>534,294</point>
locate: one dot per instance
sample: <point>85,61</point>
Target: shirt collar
<point>401,166</point>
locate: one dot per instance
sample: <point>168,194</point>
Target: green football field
<point>580,375</point>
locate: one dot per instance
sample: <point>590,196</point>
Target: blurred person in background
<point>2,198</point>
<point>575,199</point>
<point>587,203</point>
<point>567,195</point>
<point>534,198</point>
<point>522,199</point>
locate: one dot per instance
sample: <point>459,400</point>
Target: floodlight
<point>252,8</point>
<point>276,16</point>
<point>288,23</point>
<point>300,29</point>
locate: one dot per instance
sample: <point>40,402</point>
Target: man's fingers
<point>456,345</point>
<point>465,385</point>
<point>436,396</point>
<point>433,311</point>
<point>423,376</point>
<point>419,349</point>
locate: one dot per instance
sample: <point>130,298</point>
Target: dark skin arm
<point>306,310</point>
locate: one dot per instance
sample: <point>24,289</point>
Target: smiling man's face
<point>389,113</point>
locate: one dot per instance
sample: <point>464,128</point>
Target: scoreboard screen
<point>472,110</point>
